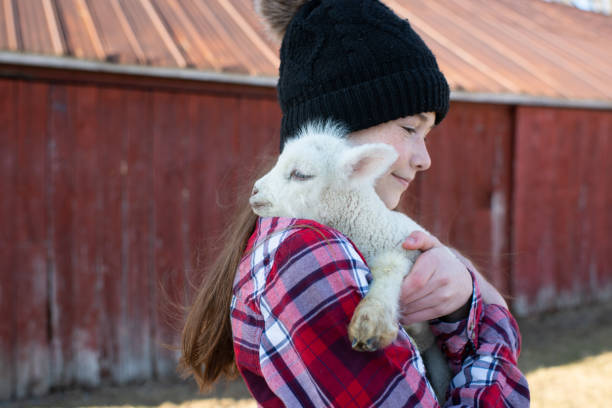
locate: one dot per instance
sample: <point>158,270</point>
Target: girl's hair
<point>206,346</point>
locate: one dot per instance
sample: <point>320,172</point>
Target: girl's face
<point>407,136</point>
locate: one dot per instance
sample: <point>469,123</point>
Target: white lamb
<point>321,176</point>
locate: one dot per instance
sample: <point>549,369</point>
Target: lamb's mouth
<point>258,206</point>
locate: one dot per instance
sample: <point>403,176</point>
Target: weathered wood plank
<point>61,156</point>
<point>170,138</point>
<point>109,119</point>
<point>8,237</point>
<point>135,330</point>
<point>32,352</point>
<point>87,219</point>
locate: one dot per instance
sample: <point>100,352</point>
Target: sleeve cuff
<point>457,338</point>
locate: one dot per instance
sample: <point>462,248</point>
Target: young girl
<point>278,301</point>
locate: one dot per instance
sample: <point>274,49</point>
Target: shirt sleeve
<point>305,353</point>
<point>482,351</point>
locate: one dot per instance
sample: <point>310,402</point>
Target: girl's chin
<point>391,202</point>
<point>390,194</point>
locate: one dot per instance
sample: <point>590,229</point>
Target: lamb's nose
<point>255,191</point>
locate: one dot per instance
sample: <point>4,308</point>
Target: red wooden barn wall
<point>108,194</point>
<point>562,208</point>
<point>110,191</point>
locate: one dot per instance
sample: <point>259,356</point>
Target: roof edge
<point>529,100</point>
<point>52,61</point>
<point>56,62</point>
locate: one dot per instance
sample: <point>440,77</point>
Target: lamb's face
<point>295,185</point>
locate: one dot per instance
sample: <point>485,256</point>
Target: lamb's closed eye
<point>298,175</point>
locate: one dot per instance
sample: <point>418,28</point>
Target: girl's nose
<point>420,159</point>
<point>255,191</point>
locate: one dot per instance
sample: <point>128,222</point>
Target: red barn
<point>126,125</point>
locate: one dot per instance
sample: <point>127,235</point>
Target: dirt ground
<point>567,358</point>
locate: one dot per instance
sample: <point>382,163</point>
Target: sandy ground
<point>567,358</point>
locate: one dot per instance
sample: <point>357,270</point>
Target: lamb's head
<point>319,163</point>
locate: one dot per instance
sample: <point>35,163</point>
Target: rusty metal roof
<point>508,47</point>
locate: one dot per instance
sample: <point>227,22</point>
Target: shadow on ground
<point>565,337</point>
<point>150,394</point>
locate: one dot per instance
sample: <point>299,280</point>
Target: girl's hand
<point>439,285</point>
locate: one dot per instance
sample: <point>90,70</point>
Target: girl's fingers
<point>438,283</point>
<point>439,302</point>
<point>419,299</point>
<point>421,240</point>
<point>418,283</point>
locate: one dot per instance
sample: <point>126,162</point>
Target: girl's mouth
<point>404,181</point>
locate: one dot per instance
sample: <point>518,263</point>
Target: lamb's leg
<point>375,322</point>
<point>435,362</point>
<point>421,334</point>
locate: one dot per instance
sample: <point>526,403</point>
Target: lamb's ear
<point>367,162</point>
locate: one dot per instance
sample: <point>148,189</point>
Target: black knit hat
<point>354,61</point>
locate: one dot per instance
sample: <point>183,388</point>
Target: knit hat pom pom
<point>277,14</point>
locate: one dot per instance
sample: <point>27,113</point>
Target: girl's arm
<point>480,338</point>
<point>440,284</point>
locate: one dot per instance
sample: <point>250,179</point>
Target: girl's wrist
<point>464,311</point>
<point>459,314</point>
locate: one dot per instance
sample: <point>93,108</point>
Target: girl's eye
<point>296,175</point>
<point>409,129</point>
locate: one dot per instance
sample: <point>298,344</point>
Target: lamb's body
<point>378,233</point>
<point>321,176</point>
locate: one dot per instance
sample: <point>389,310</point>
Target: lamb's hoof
<point>372,326</point>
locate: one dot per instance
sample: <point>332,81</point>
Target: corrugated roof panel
<point>248,39</point>
<point>491,46</point>
<point>463,38</point>
<point>185,33</point>
<point>588,46</point>
<point>245,8</point>
<point>466,52</point>
<point>234,39</point>
<point>215,36</point>
<point>79,30</point>
<point>158,46</point>
<point>8,32</point>
<point>37,37</point>
<point>520,47</point>
<point>463,75</point>
<point>116,35</point>
<point>502,38</point>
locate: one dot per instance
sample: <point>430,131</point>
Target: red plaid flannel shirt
<point>294,295</point>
